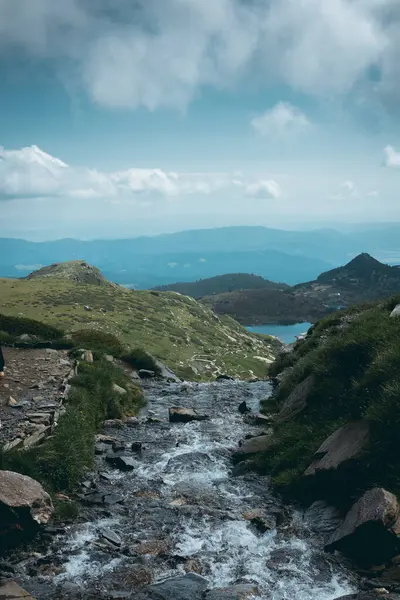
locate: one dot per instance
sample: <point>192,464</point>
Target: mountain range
<point>290,257</point>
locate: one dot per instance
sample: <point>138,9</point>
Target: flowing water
<point>182,510</point>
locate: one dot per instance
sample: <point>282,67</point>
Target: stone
<point>396,311</point>
<point>165,372</point>
<point>104,439</point>
<point>42,418</point>
<point>296,402</point>
<point>118,446</point>
<point>132,421</point>
<point>100,449</point>
<point>322,518</point>
<point>243,408</point>
<point>260,520</point>
<point>137,447</point>
<point>223,377</point>
<point>186,587</point>
<point>24,504</point>
<point>235,592</point>
<point>152,547</point>
<point>87,356</point>
<point>146,374</point>
<point>12,401</point>
<point>124,463</point>
<point>345,444</point>
<point>109,358</point>
<point>185,415</point>
<point>369,532</point>
<point>25,337</point>
<point>119,390</point>
<point>36,438</point>
<point>112,499</point>
<point>118,423</point>
<point>13,444</point>
<point>111,537</point>
<point>9,590</point>
<point>252,447</point>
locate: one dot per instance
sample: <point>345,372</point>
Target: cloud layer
<point>281,120</point>
<point>32,173</point>
<point>149,53</point>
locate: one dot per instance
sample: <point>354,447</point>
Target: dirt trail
<point>33,379</point>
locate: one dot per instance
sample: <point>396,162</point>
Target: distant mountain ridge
<point>362,279</point>
<point>229,282</point>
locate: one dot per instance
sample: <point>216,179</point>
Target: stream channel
<point>181,511</point>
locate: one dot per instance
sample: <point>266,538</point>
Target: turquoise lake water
<point>286,333</point>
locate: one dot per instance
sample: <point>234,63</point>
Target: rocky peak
<point>78,271</point>
<point>362,267</point>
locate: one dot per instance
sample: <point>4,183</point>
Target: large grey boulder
<point>345,444</point>
<point>252,447</point>
<point>24,506</point>
<point>296,402</point>
<point>322,518</point>
<point>185,415</point>
<point>185,587</point>
<point>9,590</point>
<point>369,533</point>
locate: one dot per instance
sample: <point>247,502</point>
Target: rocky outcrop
<point>296,402</point>
<point>252,447</point>
<point>345,444</point>
<point>24,506</point>
<point>369,533</point>
<point>185,415</point>
<point>9,590</point>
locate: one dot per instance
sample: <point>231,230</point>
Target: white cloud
<point>31,173</point>
<point>265,189</point>
<point>347,191</point>
<point>281,120</point>
<point>392,157</point>
<point>149,53</point>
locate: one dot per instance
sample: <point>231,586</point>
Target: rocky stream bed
<point>165,519</point>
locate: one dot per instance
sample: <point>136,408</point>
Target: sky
<point>127,117</point>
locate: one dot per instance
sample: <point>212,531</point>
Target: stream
<point>181,511</point>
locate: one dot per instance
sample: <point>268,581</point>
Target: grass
<point>60,463</point>
<point>355,357</point>
<point>175,329</point>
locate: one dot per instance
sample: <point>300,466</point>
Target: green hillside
<point>221,284</point>
<point>184,334</point>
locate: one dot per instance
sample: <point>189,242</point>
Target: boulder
<point>235,592</point>
<point>223,377</point>
<point>345,444</point>
<point>24,506</point>
<point>137,447</point>
<point>165,372</point>
<point>9,590</point>
<point>146,374</point>
<point>252,447</point>
<point>322,518</point>
<point>190,586</point>
<point>369,532</point>
<point>296,402</point>
<point>185,415</point>
<point>124,463</point>
<point>243,408</point>
<point>396,311</point>
<point>111,537</point>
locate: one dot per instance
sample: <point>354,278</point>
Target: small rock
<point>118,446</point>
<point>243,408</point>
<point>111,537</point>
<point>119,390</point>
<point>105,439</point>
<point>35,439</point>
<point>16,443</point>
<point>132,421</point>
<point>12,401</point>
<point>100,449</point>
<point>396,311</point>
<point>124,463</point>
<point>114,423</point>
<point>136,447</point>
<point>153,547</point>
<point>106,477</point>
<point>185,587</point>
<point>109,358</point>
<point>87,356</point>
<point>223,377</point>
<point>185,415</point>
<point>146,374</point>
<point>112,499</point>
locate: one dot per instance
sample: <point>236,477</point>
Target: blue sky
<point>123,117</point>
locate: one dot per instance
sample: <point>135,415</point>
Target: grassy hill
<point>184,334</point>
<point>222,283</point>
<point>351,362</point>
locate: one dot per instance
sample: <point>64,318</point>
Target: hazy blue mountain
<point>287,256</point>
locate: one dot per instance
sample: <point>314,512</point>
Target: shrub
<point>140,359</point>
<point>16,326</point>
<point>98,341</point>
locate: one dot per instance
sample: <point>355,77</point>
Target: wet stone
<point>111,537</point>
<point>124,463</point>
